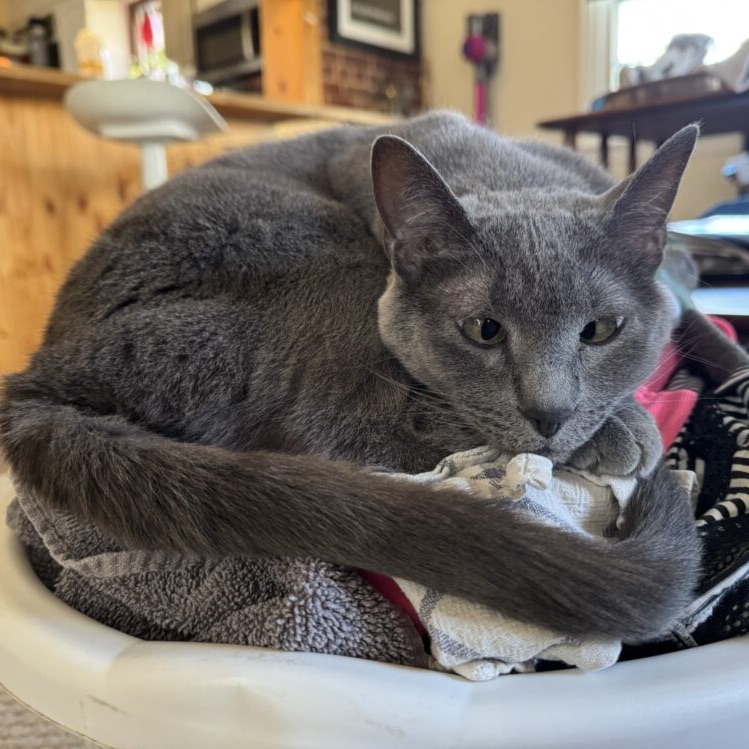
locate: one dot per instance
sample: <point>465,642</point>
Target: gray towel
<point>289,604</point>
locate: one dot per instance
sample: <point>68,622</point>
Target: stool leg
<point>632,154</point>
<point>153,164</point>
<point>604,151</point>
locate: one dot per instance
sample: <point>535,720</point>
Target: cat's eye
<point>601,331</point>
<point>483,330</point>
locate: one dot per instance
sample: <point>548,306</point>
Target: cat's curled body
<point>234,330</point>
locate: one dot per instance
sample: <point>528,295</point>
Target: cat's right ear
<point>423,219</point>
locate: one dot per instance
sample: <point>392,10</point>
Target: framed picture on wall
<point>387,26</point>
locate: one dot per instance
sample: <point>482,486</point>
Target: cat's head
<point>532,312</point>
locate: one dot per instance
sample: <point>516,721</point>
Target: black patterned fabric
<point>714,443</point>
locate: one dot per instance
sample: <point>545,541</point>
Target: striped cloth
<point>714,443</point>
<point>725,414</point>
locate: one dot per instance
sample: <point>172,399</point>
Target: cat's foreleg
<point>628,443</point>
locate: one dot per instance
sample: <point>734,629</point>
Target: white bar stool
<point>148,113</point>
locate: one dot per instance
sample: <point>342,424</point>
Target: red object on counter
<point>146,31</point>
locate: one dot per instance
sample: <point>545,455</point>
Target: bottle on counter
<point>38,44</point>
<point>92,54</point>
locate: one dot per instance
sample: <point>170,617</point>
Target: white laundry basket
<point>126,693</point>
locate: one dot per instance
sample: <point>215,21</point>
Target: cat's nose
<point>547,423</point>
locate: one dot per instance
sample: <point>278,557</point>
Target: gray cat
<point>236,349</point>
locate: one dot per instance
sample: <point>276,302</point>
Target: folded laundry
<point>301,604</point>
<point>480,643</point>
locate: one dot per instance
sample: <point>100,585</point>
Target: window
<point>636,32</point>
<point>643,28</point>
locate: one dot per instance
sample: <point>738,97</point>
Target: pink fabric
<point>671,408</point>
<point>389,590</point>
<point>725,327</point>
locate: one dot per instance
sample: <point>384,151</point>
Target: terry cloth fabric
<point>480,643</point>
<point>308,605</point>
<point>287,604</point>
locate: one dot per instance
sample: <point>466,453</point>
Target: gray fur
<point>708,350</point>
<point>234,332</point>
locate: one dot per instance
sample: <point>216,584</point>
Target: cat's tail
<point>151,492</point>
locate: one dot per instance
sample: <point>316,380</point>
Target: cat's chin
<point>554,455</point>
<point>539,446</point>
<point>557,451</point>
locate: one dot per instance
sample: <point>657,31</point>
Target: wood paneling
<point>59,187</point>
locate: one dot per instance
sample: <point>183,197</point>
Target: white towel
<point>480,643</point>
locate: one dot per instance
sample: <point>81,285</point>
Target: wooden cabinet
<point>292,50</point>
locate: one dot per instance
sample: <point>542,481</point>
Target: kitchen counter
<point>47,83</point>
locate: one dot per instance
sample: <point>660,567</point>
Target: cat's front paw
<point>627,444</point>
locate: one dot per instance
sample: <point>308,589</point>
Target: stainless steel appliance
<point>227,41</point>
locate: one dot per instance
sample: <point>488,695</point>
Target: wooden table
<point>720,112</point>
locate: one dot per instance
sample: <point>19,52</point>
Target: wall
<point>357,78</point>
<point>540,77</point>
<point>110,19</point>
<point>350,77</point>
<point>69,18</point>
<point>539,64</point>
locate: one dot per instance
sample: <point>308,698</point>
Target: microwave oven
<point>227,41</point>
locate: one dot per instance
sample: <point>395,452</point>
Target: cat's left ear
<point>423,219</point>
<point>638,207</point>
